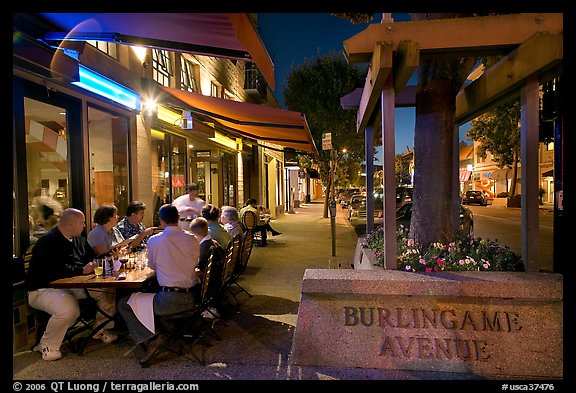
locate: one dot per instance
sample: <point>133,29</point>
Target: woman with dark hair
<point>105,235</point>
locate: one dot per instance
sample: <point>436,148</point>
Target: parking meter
<point>332,208</point>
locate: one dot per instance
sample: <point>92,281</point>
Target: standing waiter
<point>189,206</point>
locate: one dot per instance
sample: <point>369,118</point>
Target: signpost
<point>327,145</point>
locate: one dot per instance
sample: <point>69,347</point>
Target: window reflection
<point>108,147</point>
<point>46,165</point>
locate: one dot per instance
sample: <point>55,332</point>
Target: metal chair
<point>189,325</point>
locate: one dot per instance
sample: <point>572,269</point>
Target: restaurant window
<point>109,169</point>
<point>106,47</point>
<point>46,165</point>
<point>168,158</point>
<point>162,68</point>
<point>188,72</point>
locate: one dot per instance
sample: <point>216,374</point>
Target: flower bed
<point>460,254</point>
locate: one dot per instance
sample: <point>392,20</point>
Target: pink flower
<point>428,270</point>
<point>410,243</point>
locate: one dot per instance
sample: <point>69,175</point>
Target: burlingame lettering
<point>419,318</point>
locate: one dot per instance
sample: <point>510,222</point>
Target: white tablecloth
<point>143,306</point>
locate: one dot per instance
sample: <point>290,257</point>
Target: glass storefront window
<point>168,169</point>
<point>108,147</point>
<point>46,165</point>
<point>178,165</point>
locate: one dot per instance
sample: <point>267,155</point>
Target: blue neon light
<point>105,87</point>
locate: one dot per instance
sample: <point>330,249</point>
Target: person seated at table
<point>230,220</point>
<point>105,235</point>
<point>63,252</point>
<point>173,254</point>
<point>208,246</point>
<point>131,225</point>
<point>263,226</point>
<point>212,214</point>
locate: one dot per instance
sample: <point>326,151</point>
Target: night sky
<point>291,38</point>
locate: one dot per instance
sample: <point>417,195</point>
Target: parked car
<point>474,198</point>
<point>403,194</point>
<point>404,215</point>
<point>356,201</point>
<point>347,195</point>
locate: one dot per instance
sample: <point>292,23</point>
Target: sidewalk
<point>256,343</point>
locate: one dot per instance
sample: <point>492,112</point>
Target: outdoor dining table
<point>134,279</point>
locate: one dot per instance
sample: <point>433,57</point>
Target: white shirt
<point>183,202</point>
<point>174,253</point>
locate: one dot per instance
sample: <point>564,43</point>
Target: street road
<point>503,225</point>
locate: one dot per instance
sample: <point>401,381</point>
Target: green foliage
<point>498,132</point>
<point>315,88</point>
<point>402,169</point>
<point>460,254</point>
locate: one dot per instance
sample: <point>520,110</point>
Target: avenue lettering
<point>419,318</point>
<point>434,348</point>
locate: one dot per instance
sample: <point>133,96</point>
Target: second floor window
<point>215,90</point>
<point>107,47</point>
<point>162,68</point>
<point>188,75</point>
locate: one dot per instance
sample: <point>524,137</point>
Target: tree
<point>402,169</point>
<point>315,88</point>
<point>498,132</point>
<point>435,209</point>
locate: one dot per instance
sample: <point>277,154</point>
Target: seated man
<point>252,205</point>
<point>131,225</point>
<point>173,254</point>
<point>208,246</point>
<point>61,253</point>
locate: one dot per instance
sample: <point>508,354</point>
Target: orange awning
<point>279,126</point>
<point>211,34</point>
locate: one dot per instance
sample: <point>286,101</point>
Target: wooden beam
<point>529,120</point>
<point>406,59</point>
<point>537,55</point>
<point>462,37</point>
<point>380,69</point>
<point>388,174</point>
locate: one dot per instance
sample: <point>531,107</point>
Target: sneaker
<point>211,313</point>
<point>106,336</point>
<point>48,353</point>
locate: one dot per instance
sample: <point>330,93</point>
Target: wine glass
<point>123,258</point>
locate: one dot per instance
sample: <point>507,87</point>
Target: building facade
<point>93,124</point>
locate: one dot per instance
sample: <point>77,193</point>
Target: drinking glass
<point>99,267</point>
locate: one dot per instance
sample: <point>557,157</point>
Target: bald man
<point>60,253</point>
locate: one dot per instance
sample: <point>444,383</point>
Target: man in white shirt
<point>173,254</point>
<point>189,206</point>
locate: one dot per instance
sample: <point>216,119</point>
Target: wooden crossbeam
<point>505,78</point>
<point>406,59</point>
<point>470,36</point>
<point>380,69</point>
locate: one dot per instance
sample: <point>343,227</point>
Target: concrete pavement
<point>257,338</point>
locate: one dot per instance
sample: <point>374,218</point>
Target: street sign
<point>327,141</point>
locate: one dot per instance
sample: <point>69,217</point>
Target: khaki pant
<point>62,304</point>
